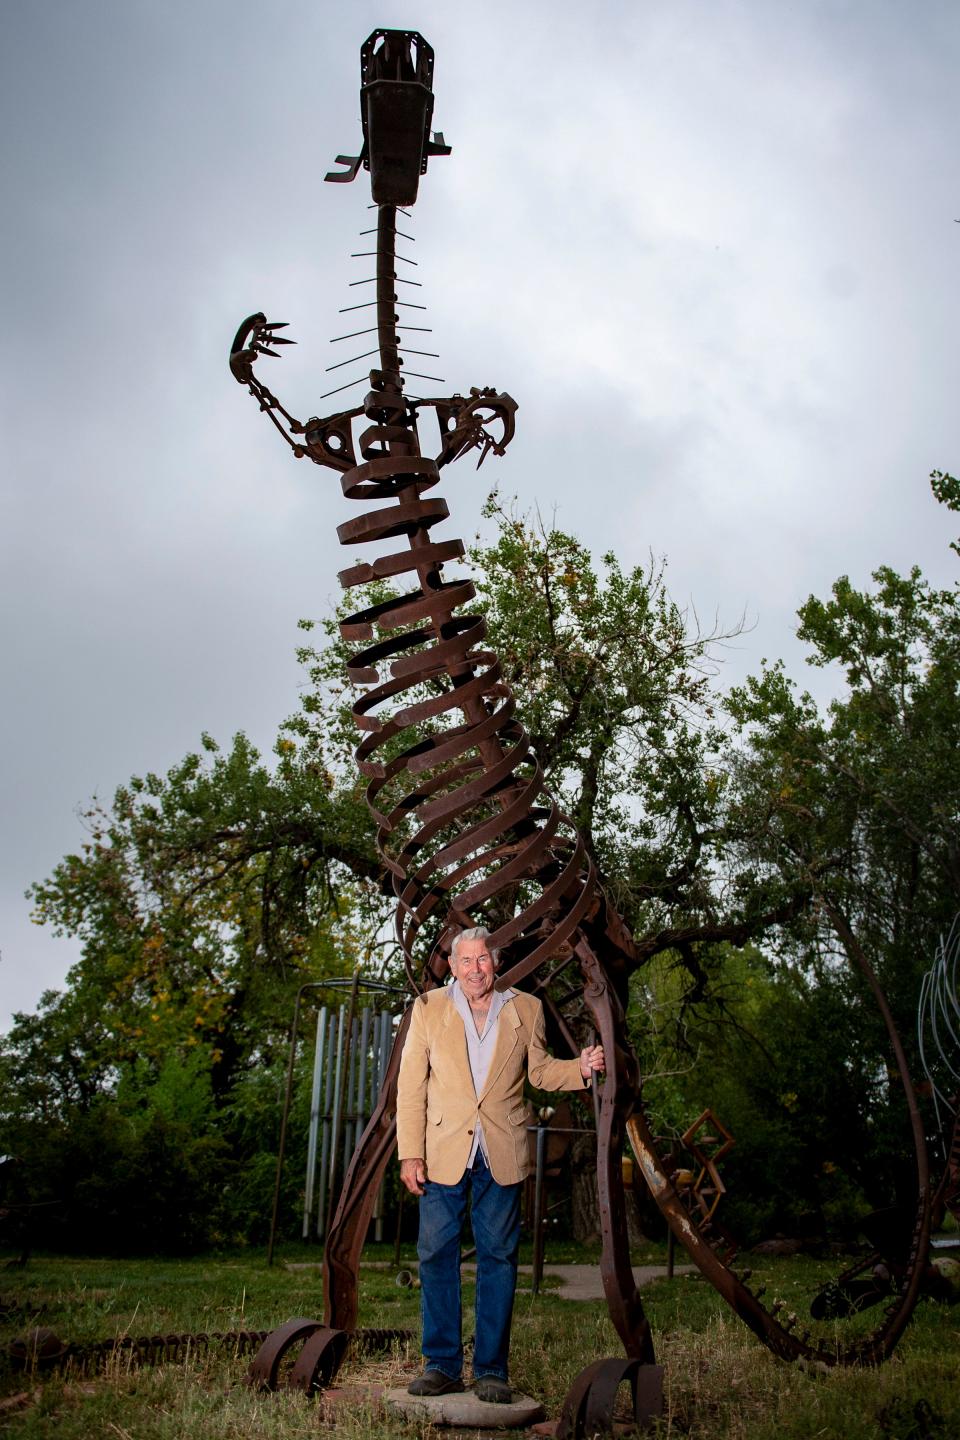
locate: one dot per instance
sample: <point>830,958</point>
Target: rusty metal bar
<point>538,1215</point>
<point>312,1137</point>
<point>288,1092</point>
<point>342,1084</point>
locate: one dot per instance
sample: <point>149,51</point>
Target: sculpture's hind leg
<point>589,1405</point>
<point>348,1229</point>
<point>616,1105</point>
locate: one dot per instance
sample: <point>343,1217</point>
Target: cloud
<point>708,247</point>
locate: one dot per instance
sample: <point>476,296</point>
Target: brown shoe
<point>434,1382</point>
<point>493,1390</point>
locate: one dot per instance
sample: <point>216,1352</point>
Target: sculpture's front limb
<point>465,422</point>
<point>617,1102</point>
<point>326,442</point>
<point>253,339</point>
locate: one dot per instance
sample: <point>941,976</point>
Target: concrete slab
<point>466,1411</point>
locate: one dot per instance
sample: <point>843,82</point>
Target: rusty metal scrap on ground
<point>318,1361</point>
<point>465,825</point>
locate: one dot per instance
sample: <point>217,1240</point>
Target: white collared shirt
<point>480,1049</point>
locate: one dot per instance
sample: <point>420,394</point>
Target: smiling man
<point>461,1132</point>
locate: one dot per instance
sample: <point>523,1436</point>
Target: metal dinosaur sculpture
<point>465,825</point>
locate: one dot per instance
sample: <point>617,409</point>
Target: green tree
<point>203,898</point>
<point>771,1059</point>
<point>861,801</point>
<point>201,901</point>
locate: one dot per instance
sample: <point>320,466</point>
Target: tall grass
<point>720,1382</point>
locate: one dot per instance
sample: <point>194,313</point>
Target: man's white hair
<point>478,932</point>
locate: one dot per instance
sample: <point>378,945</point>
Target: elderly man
<point>461,1131</point>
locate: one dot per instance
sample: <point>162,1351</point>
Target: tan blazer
<point>437,1107</point>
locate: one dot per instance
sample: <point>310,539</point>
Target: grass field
<point>720,1382</point>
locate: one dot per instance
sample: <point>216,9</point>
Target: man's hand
<point>591,1060</point>
<point>413,1173</point>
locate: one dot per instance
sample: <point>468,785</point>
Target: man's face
<point>474,969</point>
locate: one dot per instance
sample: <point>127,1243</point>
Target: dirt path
<point>583,1282</point>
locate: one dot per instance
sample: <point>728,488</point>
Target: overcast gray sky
<point>710,247</point>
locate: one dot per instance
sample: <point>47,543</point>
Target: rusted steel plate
<point>319,1360</point>
<point>265,1367</point>
<point>39,1348</point>
<point>589,1408</point>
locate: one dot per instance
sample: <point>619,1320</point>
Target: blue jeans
<point>495,1216</point>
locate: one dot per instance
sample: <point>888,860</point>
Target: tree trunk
<point>585,1205</point>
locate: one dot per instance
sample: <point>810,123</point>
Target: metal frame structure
<point>350,1059</point>
<point>465,825</point>
<point>342,1095</point>
<point>938,1039</point>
